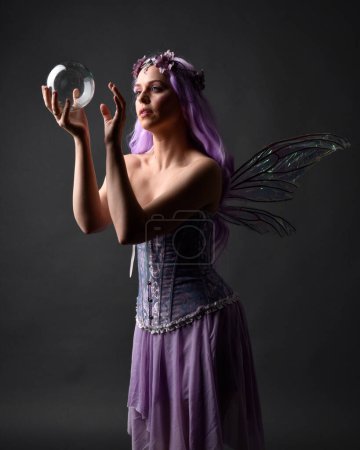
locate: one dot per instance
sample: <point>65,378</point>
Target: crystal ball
<point>70,75</point>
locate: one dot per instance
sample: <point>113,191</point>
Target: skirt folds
<point>195,388</point>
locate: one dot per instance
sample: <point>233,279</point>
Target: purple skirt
<point>195,388</point>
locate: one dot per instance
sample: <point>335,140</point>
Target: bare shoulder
<point>205,169</point>
<point>209,173</point>
<point>138,158</point>
<point>208,164</point>
<point>131,163</point>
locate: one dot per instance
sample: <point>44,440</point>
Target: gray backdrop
<point>273,70</point>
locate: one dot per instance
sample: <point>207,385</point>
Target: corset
<point>177,281</point>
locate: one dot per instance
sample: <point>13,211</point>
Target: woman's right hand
<point>74,122</point>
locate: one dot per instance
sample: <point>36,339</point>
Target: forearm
<point>125,210</point>
<point>86,199</point>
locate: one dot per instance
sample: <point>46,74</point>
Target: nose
<point>144,98</point>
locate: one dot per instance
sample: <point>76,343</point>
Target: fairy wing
<point>272,175</point>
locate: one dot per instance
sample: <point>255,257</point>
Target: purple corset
<point>177,281</point>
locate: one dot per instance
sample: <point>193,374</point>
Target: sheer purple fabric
<point>195,388</point>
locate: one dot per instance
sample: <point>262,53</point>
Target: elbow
<point>122,238</point>
<point>84,225</point>
<point>127,239</point>
<point>122,241</point>
<point>130,233</point>
<point>85,230</point>
<point>90,230</point>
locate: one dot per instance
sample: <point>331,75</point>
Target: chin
<point>145,121</point>
<point>147,126</point>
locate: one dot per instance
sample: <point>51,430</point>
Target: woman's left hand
<point>113,126</point>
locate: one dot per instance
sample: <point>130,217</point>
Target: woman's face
<point>157,105</point>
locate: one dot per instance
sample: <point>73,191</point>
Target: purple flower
<point>164,61</point>
<point>137,66</point>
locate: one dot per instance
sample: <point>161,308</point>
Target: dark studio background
<point>273,70</point>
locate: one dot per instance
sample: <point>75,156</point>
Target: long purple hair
<point>203,132</point>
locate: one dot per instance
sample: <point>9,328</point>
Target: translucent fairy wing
<point>257,220</point>
<point>272,175</point>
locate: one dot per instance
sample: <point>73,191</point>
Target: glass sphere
<point>70,75</point>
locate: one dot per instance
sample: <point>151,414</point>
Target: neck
<point>170,148</point>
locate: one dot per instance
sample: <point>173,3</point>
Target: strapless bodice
<point>177,280</point>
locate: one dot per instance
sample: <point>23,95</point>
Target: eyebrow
<point>149,82</point>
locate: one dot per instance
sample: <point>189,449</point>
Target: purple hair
<point>203,133</point>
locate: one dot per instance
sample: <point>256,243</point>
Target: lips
<point>145,112</point>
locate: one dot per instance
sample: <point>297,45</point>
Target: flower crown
<point>166,62</point>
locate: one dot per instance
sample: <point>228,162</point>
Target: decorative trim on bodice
<point>189,318</point>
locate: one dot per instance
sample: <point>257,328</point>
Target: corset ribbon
<point>132,259</point>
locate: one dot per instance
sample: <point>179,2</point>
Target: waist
<point>188,318</point>
<point>164,304</point>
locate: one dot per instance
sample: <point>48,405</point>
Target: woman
<point>192,384</point>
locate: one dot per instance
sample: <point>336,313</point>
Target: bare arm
<point>199,186</point>
<point>89,204</point>
<point>123,204</point>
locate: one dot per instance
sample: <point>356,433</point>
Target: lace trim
<point>189,318</point>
